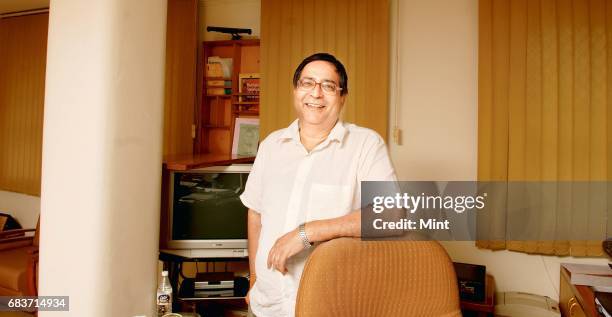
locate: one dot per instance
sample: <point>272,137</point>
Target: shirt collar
<point>292,132</point>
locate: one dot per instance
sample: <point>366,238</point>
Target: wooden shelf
<point>247,112</point>
<point>245,103</point>
<point>187,162</point>
<point>216,114</point>
<point>212,126</point>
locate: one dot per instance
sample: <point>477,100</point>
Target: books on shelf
<point>597,276</point>
<point>249,87</point>
<point>214,70</point>
<point>218,87</point>
<point>219,67</point>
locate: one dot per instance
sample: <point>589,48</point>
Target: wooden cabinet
<point>222,99</point>
<point>575,300</point>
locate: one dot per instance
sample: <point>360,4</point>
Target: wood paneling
<point>355,31</point>
<point>23,53</point>
<point>181,57</point>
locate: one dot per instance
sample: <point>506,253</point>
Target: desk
<point>575,300</point>
<point>481,309</point>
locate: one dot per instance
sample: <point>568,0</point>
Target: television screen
<point>206,205</point>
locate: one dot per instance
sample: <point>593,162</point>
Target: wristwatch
<point>303,236</point>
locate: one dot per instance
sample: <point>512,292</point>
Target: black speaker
<point>471,279</point>
<point>607,246</point>
<point>7,222</point>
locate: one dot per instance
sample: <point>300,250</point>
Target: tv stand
<point>173,260</point>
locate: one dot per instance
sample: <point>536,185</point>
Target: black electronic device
<point>471,279</point>
<point>220,284</point>
<point>607,247</point>
<point>235,32</point>
<point>7,222</point>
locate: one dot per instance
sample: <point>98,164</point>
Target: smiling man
<point>305,184</point>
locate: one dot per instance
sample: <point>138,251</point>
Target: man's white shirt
<point>289,185</point>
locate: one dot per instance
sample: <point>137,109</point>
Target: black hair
<point>327,58</point>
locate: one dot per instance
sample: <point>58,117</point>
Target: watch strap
<point>303,236</point>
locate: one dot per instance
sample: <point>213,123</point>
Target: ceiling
<point>7,6</point>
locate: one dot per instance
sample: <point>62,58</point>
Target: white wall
<point>102,150</point>
<point>242,14</point>
<point>24,208</point>
<point>438,115</point>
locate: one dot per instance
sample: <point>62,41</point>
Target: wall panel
<point>356,32</point>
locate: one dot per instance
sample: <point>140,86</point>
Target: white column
<point>102,148</point>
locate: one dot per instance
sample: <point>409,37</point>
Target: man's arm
<point>290,244</point>
<point>254,229</point>
<point>348,225</point>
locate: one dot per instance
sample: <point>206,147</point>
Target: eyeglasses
<point>328,87</point>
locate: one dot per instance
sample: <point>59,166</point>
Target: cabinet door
<point>567,301</point>
<point>565,296</point>
<point>181,64</point>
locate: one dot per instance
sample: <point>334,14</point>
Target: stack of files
<point>597,276</point>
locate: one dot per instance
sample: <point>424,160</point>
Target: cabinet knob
<point>573,306</point>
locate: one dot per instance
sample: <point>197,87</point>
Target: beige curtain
<point>545,114</point>
<point>355,31</point>
<point>23,54</point>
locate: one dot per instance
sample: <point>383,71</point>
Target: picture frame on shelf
<point>248,83</point>
<point>246,136</point>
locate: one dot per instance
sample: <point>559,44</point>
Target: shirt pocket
<point>328,201</point>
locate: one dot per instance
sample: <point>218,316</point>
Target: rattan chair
<point>349,277</point>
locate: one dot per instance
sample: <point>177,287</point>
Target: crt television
<point>205,215</point>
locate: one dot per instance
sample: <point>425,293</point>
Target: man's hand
<point>252,279</point>
<point>285,247</point>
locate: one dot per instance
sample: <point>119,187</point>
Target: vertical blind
<point>545,112</point>
<point>23,53</point>
<point>355,31</point>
